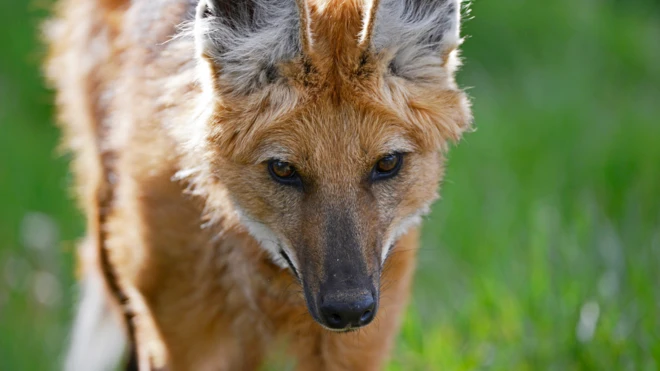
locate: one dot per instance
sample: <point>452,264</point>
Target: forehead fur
<point>377,120</point>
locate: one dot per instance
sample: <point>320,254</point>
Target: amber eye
<point>282,169</point>
<point>387,167</point>
<point>283,172</point>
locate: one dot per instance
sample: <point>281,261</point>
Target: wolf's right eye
<point>283,172</point>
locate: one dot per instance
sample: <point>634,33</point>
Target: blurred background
<point>544,252</point>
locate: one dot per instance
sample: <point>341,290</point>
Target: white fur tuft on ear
<point>246,40</point>
<point>368,20</point>
<point>418,34</point>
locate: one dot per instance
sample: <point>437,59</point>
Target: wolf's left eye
<point>387,167</point>
<point>283,172</point>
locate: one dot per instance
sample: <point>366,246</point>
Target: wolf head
<point>325,124</point>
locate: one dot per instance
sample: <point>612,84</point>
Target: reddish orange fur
<point>210,298</point>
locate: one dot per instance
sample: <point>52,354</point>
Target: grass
<point>543,253</point>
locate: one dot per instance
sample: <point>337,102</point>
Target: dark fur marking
<point>105,202</point>
<point>271,74</point>
<point>132,361</point>
<point>235,13</point>
<point>393,67</point>
<point>293,267</point>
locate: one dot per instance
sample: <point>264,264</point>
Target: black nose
<point>341,311</point>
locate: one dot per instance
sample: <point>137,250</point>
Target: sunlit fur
<point>172,109</point>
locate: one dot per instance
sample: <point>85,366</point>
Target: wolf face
<point>324,124</point>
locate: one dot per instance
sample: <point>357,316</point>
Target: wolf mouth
<point>286,257</point>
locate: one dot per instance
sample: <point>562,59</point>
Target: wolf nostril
<point>334,320</point>
<point>366,316</point>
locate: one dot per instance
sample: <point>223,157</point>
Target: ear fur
<point>246,40</point>
<point>417,35</point>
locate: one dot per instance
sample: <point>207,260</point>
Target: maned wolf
<point>253,173</point>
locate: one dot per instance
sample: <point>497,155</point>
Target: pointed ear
<point>245,41</point>
<point>415,34</point>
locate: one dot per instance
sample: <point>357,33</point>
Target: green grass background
<point>543,253</point>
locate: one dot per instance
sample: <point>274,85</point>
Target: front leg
<point>368,348</point>
<point>191,293</point>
